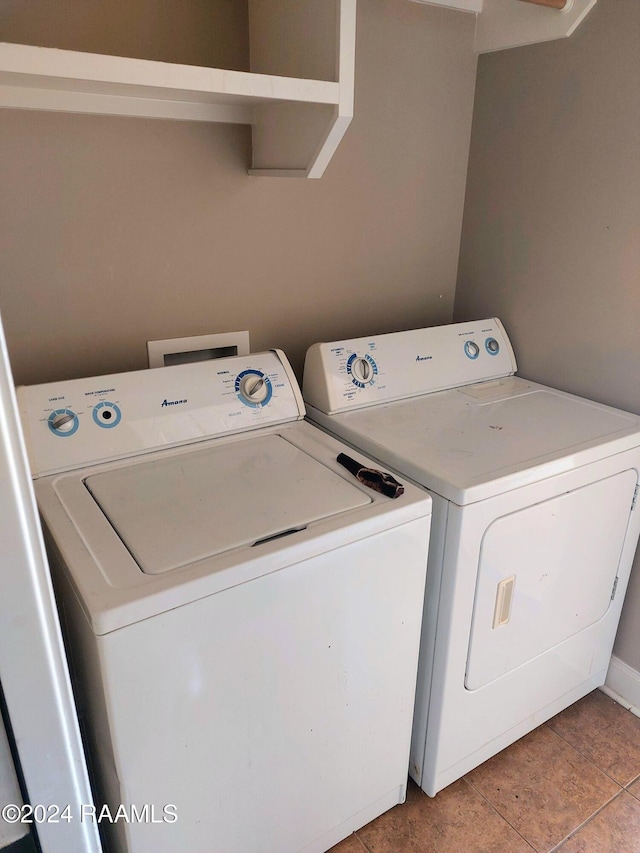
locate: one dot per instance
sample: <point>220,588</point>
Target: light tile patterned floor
<point>572,786</point>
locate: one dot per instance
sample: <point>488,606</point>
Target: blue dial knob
<point>63,422</point>
<point>471,349</point>
<point>106,415</point>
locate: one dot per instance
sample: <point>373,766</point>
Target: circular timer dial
<point>106,415</point>
<point>471,349</point>
<point>253,388</point>
<point>362,369</point>
<point>63,422</point>
<point>492,346</point>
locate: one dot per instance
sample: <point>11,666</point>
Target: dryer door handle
<point>504,600</point>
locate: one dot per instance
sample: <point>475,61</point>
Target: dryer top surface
<point>472,442</point>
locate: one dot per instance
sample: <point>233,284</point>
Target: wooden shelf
<point>297,122</point>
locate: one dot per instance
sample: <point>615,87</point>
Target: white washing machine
<point>242,614</point>
<point>533,533</point>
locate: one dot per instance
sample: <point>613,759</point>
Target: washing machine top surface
<point>447,421</point>
<point>178,510</point>
<point>202,477</point>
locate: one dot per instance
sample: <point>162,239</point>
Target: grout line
<point>586,758</point>
<point>590,760</point>
<point>501,816</point>
<point>586,821</point>
<point>633,781</point>
<point>364,846</point>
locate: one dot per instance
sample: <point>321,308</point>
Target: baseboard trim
<point>623,685</point>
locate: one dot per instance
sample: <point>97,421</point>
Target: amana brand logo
<point>424,357</point>
<point>173,403</point>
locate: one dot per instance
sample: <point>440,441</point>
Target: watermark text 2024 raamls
<point>88,813</point>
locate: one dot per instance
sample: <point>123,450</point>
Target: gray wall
<point>551,234</point>
<point>114,231</point>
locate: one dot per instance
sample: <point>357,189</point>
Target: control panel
<point>81,421</point>
<point>351,374</point>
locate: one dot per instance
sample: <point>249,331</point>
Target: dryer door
<point>546,572</point>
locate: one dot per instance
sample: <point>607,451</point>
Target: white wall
<point>123,230</point>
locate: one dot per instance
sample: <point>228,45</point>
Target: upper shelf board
<point>51,79</point>
<point>297,122</point>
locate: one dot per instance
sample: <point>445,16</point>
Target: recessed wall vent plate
<point>197,348</point>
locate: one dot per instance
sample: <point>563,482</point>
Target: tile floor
<point>571,785</point>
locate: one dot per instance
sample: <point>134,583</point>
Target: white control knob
<point>472,350</point>
<point>254,388</point>
<point>63,422</point>
<point>361,370</point>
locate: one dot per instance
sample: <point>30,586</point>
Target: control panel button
<point>471,349</point>
<point>63,422</point>
<point>253,388</point>
<point>492,346</point>
<point>362,369</point>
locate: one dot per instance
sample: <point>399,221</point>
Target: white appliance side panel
<point>465,727</point>
<point>270,713</point>
<point>546,572</point>
<point>428,634</point>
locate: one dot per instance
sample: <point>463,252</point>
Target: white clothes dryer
<point>533,533</point>
<point>242,615</point>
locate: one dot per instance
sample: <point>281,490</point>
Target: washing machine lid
<point>473,442</point>
<point>175,511</point>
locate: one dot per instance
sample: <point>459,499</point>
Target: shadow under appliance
<point>243,616</point>
<point>534,526</point>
